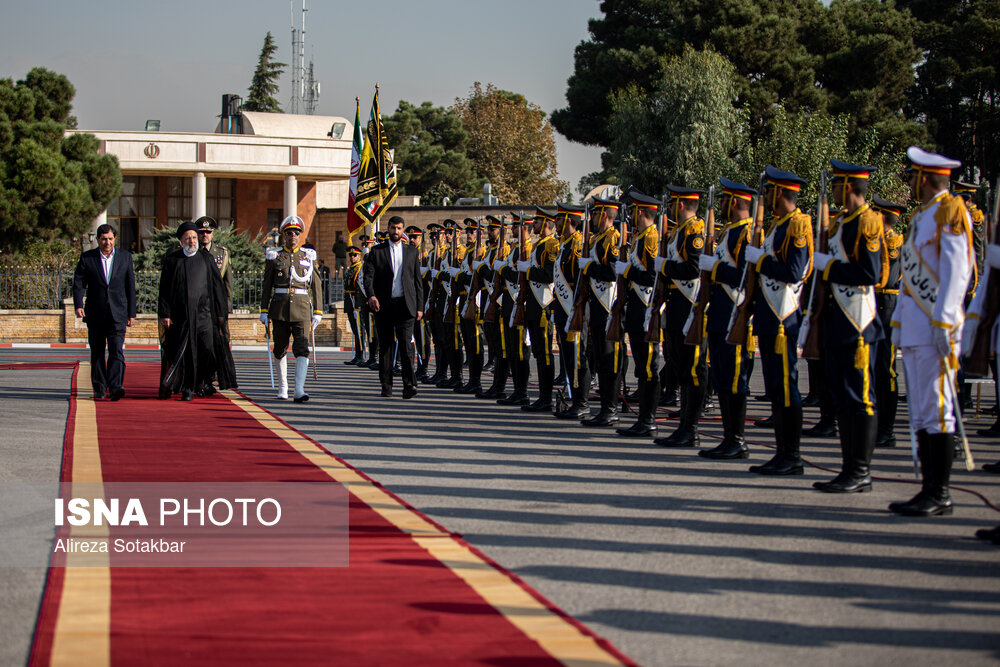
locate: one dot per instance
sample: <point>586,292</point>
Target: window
<point>220,200</point>
<point>133,214</point>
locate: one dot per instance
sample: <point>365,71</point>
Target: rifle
<point>575,322</point>
<point>471,309</point>
<point>434,264</point>
<point>615,331</point>
<point>977,364</point>
<point>739,321</point>
<point>653,324</point>
<point>696,321</point>
<point>493,303</point>
<point>517,315</point>
<point>449,313</point>
<point>809,333</point>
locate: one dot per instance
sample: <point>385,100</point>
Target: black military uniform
<point>540,275</point>
<point>640,276</point>
<point>850,325</point>
<point>515,349</point>
<point>566,273</point>
<point>367,327</point>
<point>886,385</point>
<point>469,291</point>
<point>608,356</point>
<point>730,367</point>
<point>448,306</point>
<point>219,254</point>
<point>681,267</point>
<point>352,303</point>
<point>782,264</point>
<point>433,290</point>
<point>496,254</point>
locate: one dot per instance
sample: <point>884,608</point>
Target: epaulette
<point>696,226</point>
<point>870,225</point>
<point>950,215</point>
<point>576,243</point>
<point>977,215</point>
<point>834,225</point>
<point>893,242</point>
<point>270,253</point>
<point>800,229</point>
<point>310,253</point>
<point>651,244</point>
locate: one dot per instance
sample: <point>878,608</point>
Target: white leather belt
<point>285,290</point>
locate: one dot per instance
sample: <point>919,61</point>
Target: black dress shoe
<point>117,393</point>
<point>992,467</point>
<point>492,393</point>
<point>540,405</point>
<point>763,397</point>
<point>409,392</point>
<point>572,413</point>
<point>989,534</point>
<point>301,399</point>
<point>488,368</point>
<point>821,430</point>
<point>668,399</point>
<point>352,362</point>
<point>764,422</point>
<point>471,388</point>
<point>163,394</point>
<point>187,396</point>
<point>810,401</point>
<point>386,393</point>
<point>637,430</point>
<point>991,432</point>
<point>514,399</point>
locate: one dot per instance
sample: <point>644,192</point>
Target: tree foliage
<point>684,131</point>
<point>431,158</point>
<point>51,185</point>
<point>264,84</point>
<point>512,145</point>
<point>957,93</point>
<point>245,252</point>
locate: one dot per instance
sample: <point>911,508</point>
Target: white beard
<point>189,252</point>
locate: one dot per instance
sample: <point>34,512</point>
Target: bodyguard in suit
<point>392,279</point>
<point>104,296</point>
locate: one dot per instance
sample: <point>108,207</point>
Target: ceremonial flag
<point>354,221</point>
<point>377,175</point>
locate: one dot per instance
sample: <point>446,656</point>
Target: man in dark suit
<point>392,279</point>
<point>106,277</point>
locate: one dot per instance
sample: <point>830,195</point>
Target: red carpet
<point>396,603</point>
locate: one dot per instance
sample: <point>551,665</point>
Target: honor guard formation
<point>761,278</point>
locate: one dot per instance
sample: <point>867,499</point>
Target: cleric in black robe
<point>192,309</point>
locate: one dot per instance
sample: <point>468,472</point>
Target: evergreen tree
<point>52,186</point>
<point>264,84</point>
<point>430,156</point>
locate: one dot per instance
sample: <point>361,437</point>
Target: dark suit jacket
<point>104,299</point>
<point>378,277</point>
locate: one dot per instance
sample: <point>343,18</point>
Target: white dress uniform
<point>937,266</point>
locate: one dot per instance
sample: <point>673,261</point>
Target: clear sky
<point>173,59</point>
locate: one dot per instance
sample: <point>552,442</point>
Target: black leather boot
<point>500,374</point>
<point>888,401</point>
<point>686,434</point>
<point>734,414</point>
<point>937,452</point>
<point>544,401</point>
<point>608,389</point>
<point>788,431</point>
<point>645,425</point>
<point>857,443</point>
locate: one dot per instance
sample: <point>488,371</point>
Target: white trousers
<point>929,397</point>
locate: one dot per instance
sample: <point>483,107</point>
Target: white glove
<point>658,263</point>
<point>477,264</point>
<point>433,273</point>
<point>498,264</point>
<point>894,336</point>
<point>583,262</point>
<point>621,268</point>
<point>523,265</point>
<point>263,318</point>
<point>706,262</point>
<point>993,255</point>
<point>821,260</point>
<point>969,334</point>
<point>316,319</point>
<point>753,254</point>
<point>941,341</point>
<point>453,271</point>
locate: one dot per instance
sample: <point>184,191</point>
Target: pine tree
<point>264,84</point>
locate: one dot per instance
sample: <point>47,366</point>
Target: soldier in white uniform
<point>927,325</point>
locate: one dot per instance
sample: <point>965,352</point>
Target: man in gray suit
<point>104,296</point>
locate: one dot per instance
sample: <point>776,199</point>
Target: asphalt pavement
<point>674,558</point>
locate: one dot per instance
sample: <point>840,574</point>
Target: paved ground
<point>676,559</point>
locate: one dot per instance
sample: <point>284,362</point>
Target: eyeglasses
<point>206,231</point>
<point>292,231</point>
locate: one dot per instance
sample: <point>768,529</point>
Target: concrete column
<point>291,196</point>
<point>101,219</point>
<point>199,195</point>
